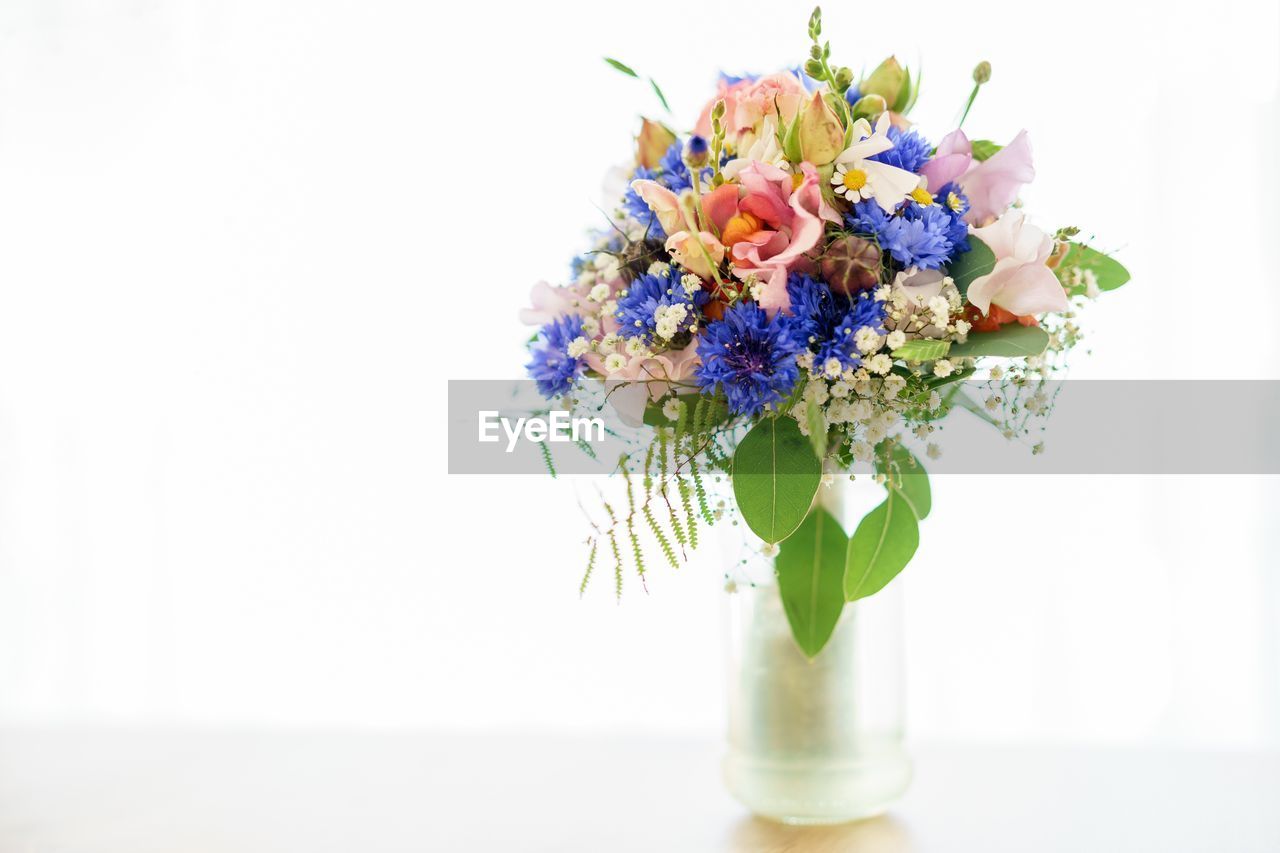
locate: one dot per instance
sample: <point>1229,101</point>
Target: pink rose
<point>768,227</point>
<point>747,102</point>
<point>1020,283</point>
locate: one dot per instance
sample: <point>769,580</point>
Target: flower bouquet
<point>797,289</point>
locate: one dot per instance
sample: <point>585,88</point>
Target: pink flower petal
<point>994,184</point>
<point>721,204</point>
<point>662,202</point>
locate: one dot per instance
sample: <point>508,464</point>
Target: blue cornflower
<point>917,235</point>
<point>910,150</point>
<point>828,322</point>
<point>750,356</point>
<point>672,172</point>
<point>956,204</point>
<point>637,208</point>
<point>869,220</point>
<point>920,237</point>
<point>853,95</point>
<point>645,310</point>
<point>552,368</point>
<point>814,308</point>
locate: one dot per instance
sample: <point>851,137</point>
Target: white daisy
<point>861,177</point>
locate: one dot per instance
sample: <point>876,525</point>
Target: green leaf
<point>625,69</point>
<point>817,428</point>
<point>881,547</point>
<point>984,149</point>
<point>661,97</point>
<point>775,476</point>
<point>1011,341</point>
<point>811,579</point>
<point>908,476</point>
<point>978,261</point>
<point>922,349</point>
<point>936,382</point>
<point>1110,272</point>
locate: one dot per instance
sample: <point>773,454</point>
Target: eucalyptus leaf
<point>1011,341</point>
<point>881,547</point>
<point>1109,272</point>
<point>970,265</point>
<point>908,476</point>
<point>922,349</point>
<point>817,428</point>
<point>775,476</point>
<point>810,569</point>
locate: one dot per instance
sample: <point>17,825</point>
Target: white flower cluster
<point>864,406</point>
<point>667,319</point>
<point>922,304</point>
<point>1084,278</point>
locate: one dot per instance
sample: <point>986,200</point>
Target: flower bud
<point>850,264</point>
<point>982,73</point>
<point>652,143</point>
<point>844,79</point>
<point>813,68</point>
<point>821,134</point>
<point>886,81</point>
<point>695,152</point>
<point>869,107</point>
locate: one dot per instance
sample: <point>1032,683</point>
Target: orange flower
<point>997,318</point>
<point>739,227</point>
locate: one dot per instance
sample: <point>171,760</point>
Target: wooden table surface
<point>81,791</point>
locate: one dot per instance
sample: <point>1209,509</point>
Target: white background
<point>243,246</point>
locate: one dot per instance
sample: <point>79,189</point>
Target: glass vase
<point>812,741</point>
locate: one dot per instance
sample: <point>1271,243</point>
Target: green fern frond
<point>591,564</point>
<point>617,552</point>
<point>700,490</point>
<point>631,525</point>
<point>546,458</point>
<point>663,541</point>
<point>686,504</point>
<point>700,415</point>
<point>663,449</point>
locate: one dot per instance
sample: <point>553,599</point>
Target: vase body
<point>811,741</point>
